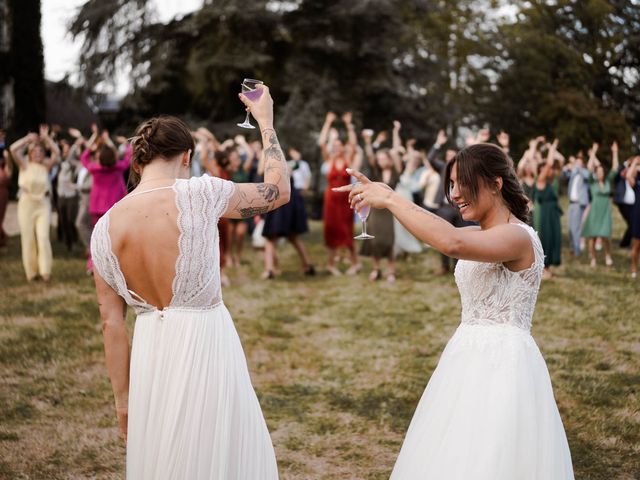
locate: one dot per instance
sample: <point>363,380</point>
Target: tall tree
<point>568,73</point>
<point>27,65</point>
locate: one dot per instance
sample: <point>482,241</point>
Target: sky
<point>61,52</point>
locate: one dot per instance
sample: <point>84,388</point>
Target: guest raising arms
<point>547,210</point>
<point>386,167</point>
<point>34,205</point>
<point>598,223</point>
<point>338,217</point>
<point>633,177</point>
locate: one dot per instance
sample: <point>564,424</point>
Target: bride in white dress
<point>183,398</point>
<point>488,412</point>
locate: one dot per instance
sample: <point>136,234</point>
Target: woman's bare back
<point>144,237</point>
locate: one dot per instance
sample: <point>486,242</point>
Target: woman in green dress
<point>546,213</point>
<point>598,221</point>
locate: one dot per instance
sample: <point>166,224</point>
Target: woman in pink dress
<point>108,175</point>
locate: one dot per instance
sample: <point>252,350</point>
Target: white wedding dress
<point>193,413</point>
<point>488,412</point>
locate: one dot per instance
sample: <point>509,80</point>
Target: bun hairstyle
<point>484,162</point>
<point>159,137</point>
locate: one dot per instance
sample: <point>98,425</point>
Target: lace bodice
<point>494,295</point>
<point>200,202</point>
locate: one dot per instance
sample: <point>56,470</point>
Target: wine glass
<point>363,213</point>
<point>250,91</point>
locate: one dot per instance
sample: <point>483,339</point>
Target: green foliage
<point>564,67</point>
<point>569,74</point>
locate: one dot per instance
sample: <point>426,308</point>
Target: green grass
<point>339,364</point>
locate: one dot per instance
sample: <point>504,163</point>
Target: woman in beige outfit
<point>34,206</point>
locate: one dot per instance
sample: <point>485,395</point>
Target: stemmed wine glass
<point>250,91</point>
<point>363,213</point>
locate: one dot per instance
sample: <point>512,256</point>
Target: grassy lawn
<point>339,364</point>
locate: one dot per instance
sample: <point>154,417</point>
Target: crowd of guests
<point>82,178</point>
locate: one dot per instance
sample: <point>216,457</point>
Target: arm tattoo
<point>253,211</point>
<point>261,198</point>
<point>269,191</point>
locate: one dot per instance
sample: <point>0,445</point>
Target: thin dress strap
<point>150,190</point>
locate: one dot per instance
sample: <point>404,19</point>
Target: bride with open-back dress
<point>192,411</point>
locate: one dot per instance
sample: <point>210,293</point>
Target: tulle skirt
<point>193,413</point>
<point>488,413</point>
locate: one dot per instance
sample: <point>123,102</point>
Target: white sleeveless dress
<point>488,412</point>
<point>193,413</point>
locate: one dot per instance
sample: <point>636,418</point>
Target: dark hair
<point>485,162</point>
<point>164,137</point>
<point>106,155</point>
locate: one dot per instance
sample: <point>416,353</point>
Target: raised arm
<point>615,161</point>
<point>632,171</point>
<point>545,173</point>
<point>51,145</point>
<point>324,135</point>
<point>396,149</point>
<point>17,149</point>
<point>116,346</point>
<point>593,160</point>
<point>368,148</point>
<point>250,199</point>
<point>352,139</point>
<point>432,156</point>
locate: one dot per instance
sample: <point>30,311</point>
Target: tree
<point>27,66</point>
<point>564,62</point>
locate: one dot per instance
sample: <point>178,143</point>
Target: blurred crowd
<point>81,177</point>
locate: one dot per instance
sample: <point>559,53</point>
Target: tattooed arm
<point>252,199</point>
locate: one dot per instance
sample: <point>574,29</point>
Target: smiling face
<point>600,173</point>
<point>472,209</point>
<point>481,181</point>
<point>36,153</point>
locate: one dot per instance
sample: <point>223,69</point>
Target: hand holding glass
<point>363,213</point>
<point>252,93</point>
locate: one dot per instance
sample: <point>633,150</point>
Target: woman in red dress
<point>338,216</point>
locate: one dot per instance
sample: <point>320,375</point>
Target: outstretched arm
<point>116,346</point>
<point>250,199</point>
<point>51,145</point>
<point>503,244</point>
